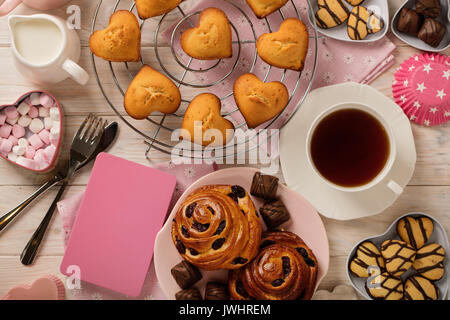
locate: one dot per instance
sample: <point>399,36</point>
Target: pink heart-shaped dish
<point>48,287</point>
<point>31,131</point>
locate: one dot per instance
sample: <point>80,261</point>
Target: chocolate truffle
<point>185,274</point>
<point>264,186</point>
<point>428,8</point>
<point>409,21</point>
<point>432,32</point>
<point>274,213</point>
<point>188,294</point>
<point>216,291</point>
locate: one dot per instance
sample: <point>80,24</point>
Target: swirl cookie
<point>429,261</point>
<point>367,255</point>
<point>398,256</point>
<point>262,8</point>
<point>216,227</point>
<point>331,13</point>
<point>120,41</point>
<point>152,8</point>
<point>415,230</point>
<point>286,48</point>
<point>385,287</point>
<point>420,288</point>
<point>211,39</point>
<point>258,101</point>
<point>151,91</point>
<point>285,269</point>
<point>203,124</point>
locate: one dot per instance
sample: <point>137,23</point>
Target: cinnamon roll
<point>217,227</point>
<point>284,269</point>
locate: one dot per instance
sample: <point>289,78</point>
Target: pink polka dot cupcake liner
<point>421,87</point>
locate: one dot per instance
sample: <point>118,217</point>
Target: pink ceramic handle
<point>8,6</point>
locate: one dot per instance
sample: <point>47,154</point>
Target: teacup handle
<point>76,72</point>
<point>8,6</point>
<point>395,187</point>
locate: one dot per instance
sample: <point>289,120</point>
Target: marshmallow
<point>18,131</point>
<point>18,150</point>
<point>12,156</point>
<point>46,101</point>
<point>13,140</point>
<point>54,114</point>
<point>5,146</point>
<point>12,121</point>
<point>24,121</point>
<point>27,163</point>
<point>35,141</point>
<point>5,131</point>
<point>11,112</point>
<point>43,112</point>
<point>41,160</point>
<point>50,152</point>
<point>45,136</point>
<point>40,153</point>
<point>30,152</point>
<point>48,123</point>
<point>2,118</point>
<point>23,142</point>
<point>23,108</point>
<point>35,98</point>
<point>36,125</point>
<point>33,113</point>
<point>54,133</point>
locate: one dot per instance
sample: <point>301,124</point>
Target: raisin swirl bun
<point>217,227</point>
<point>285,269</point>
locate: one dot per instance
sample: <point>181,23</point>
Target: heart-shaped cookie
<point>203,123</point>
<point>286,48</point>
<point>31,130</point>
<point>367,255</point>
<point>331,13</point>
<point>262,8</point>
<point>48,287</point>
<point>259,101</point>
<point>120,41</point>
<point>211,39</point>
<point>362,22</point>
<point>151,91</point>
<point>152,8</point>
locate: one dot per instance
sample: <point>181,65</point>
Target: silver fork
<point>83,146</point>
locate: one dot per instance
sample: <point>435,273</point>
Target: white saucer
<point>328,201</point>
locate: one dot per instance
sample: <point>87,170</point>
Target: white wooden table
<point>428,191</point>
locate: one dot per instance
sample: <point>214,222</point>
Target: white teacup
<point>383,175</point>
<point>45,50</point>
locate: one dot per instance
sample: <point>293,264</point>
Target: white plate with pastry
<point>381,187</point>
<point>351,20</point>
<point>427,262</point>
<point>206,225</point>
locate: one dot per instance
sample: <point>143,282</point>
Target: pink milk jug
<point>8,5</point>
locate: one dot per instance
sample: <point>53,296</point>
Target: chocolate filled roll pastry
<point>432,32</point>
<point>429,8</point>
<point>274,213</point>
<point>409,21</point>
<point>188,294</point>
<point>216,227</point>
<point>264,186</point>
<point>186,274</point>
<point>284,269</point>
<point>216,291</point>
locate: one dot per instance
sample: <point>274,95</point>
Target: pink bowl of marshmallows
<point>31,131</point>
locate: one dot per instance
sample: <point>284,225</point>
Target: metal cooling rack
<point>152,139</point>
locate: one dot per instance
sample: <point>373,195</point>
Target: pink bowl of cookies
<point>31,131</point>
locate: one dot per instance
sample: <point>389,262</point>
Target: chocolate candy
<point>188,294</point>
<point>216,291</point>
<point>264,186</point>
<point>185,274</point>
<point>428,8</point>
<point>274,213</point>
<point>409,21</point>
<point>432,32</point>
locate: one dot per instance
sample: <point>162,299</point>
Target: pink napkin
<point>68,209</point>
<point>338,61</point>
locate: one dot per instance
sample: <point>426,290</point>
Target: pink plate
<point>305,222</point>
